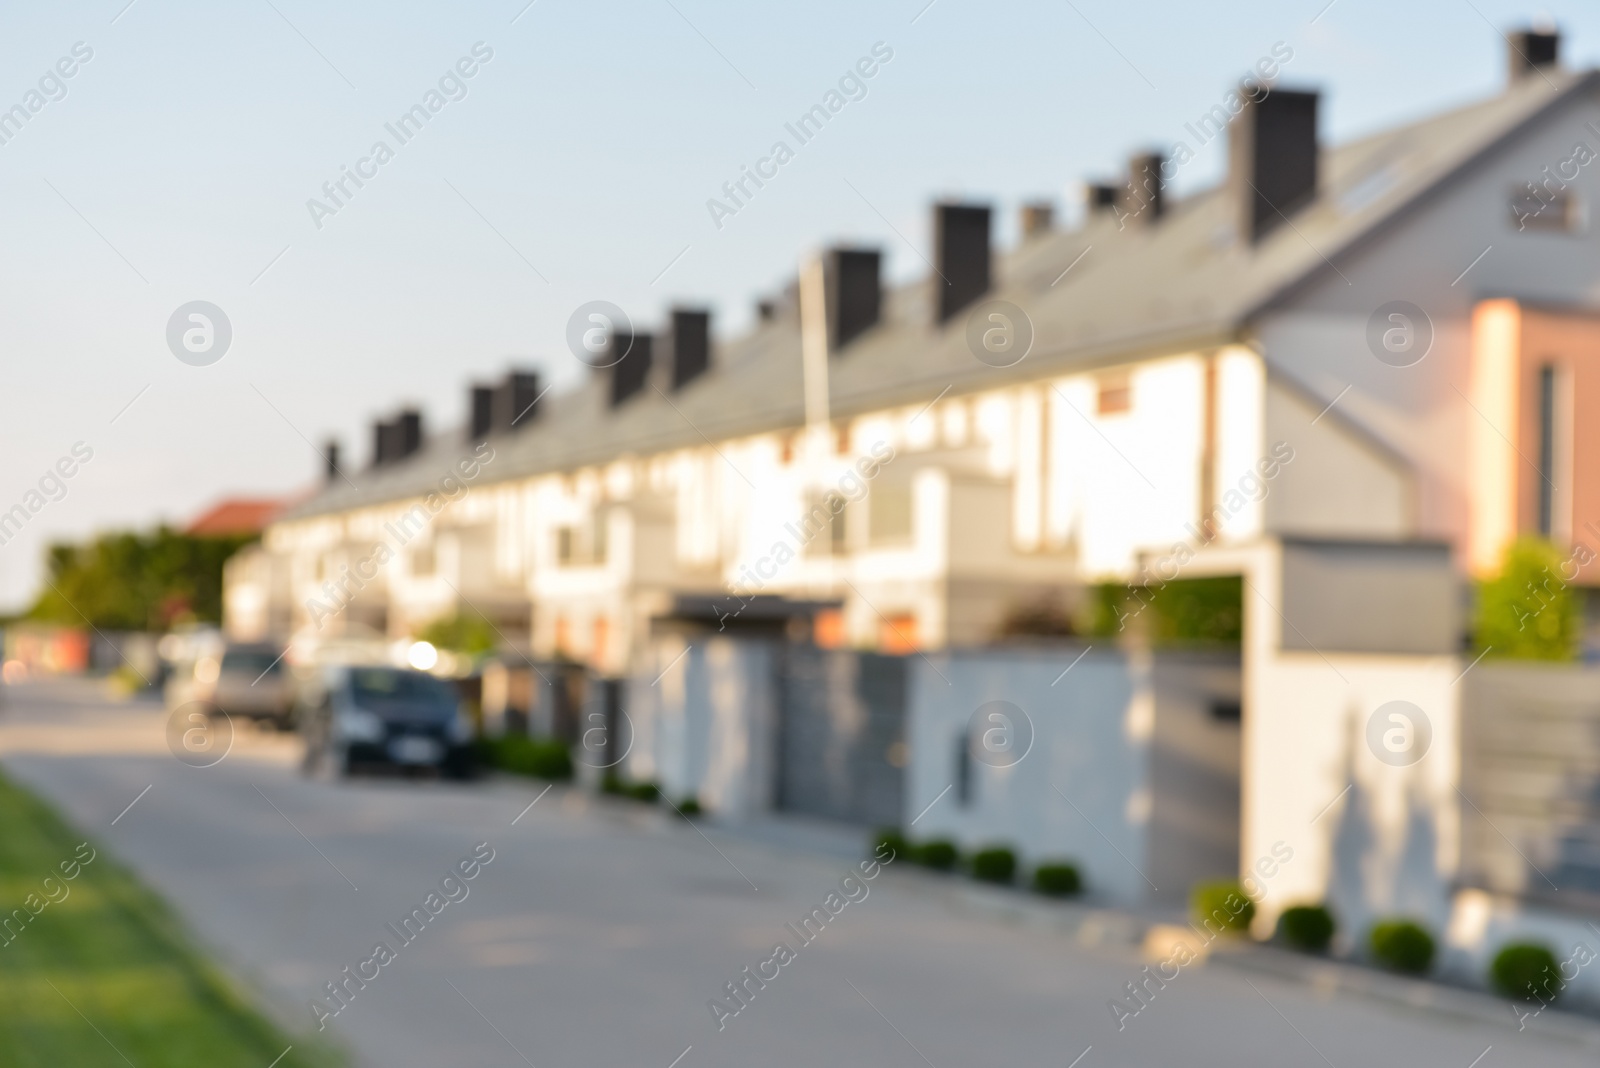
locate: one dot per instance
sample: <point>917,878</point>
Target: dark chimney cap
<point>1098,197</point>
<point>1038,218</point>
<point>691,345</point>
<point>1272,160</point>
<point>961,253</point>
<point>630,371</point>
<point>515,402</point>
<point>397,438</point>
<point>1141,201</point>
<point>1531,50</point>
<point>480,413</point>
<point>854,293</point>
<point>330,455</point>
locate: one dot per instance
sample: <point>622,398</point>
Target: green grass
<point>111,957</point>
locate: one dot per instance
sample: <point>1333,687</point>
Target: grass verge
<point>95,970</point>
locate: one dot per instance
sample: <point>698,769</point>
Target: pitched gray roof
<point>1180,283</point>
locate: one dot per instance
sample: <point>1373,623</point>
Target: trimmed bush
<point>1057,879</point>
<point>938,854</point>
<point>611,784</point>
<point>543,758</point>
<point>997,864</point>
<point>894,840</point>
<point>1222,906</point>
<point>1526,972</point>
<point>1308,928</point>
<point>648,792</point>
<point>689,806</point>
<point>1402,946</point>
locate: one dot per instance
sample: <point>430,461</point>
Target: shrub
<point>1402,946</point>
<point>689,806</point>
<point>1308,928</point>
<point>938,854</point>
<point>611,784</point>
<point>1529,612</point>
<point>893,839</point>
<point>1223,905</point>
<point>1526,972</point>
<point>1057,879</point>
<point>543,758</point>
<point>997,864</point>
<point>648,792</point>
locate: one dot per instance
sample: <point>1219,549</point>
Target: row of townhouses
<point>1350,374</point>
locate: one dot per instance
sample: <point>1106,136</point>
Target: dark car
<point>359,718</point>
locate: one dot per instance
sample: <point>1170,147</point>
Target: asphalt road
<point>600,930</point>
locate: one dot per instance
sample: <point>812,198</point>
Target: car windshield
<point>252,662</point>
<point>391,692</point>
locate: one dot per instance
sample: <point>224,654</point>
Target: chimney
<point>513,405</point>
<point>380,442</point>
<point>408,433</point>
<point>961,250</point>
<point>481,419</point>
<point>1098,197</point>
<point>1272,160</point>
<point>331,453</point>
<point>854,294</point>
<point>691,345</point>
<point>1531,50</point>
<point>1038,218</point>
<point>1140,200</point>
<point>631,370</point>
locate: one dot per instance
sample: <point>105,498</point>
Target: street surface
<point>600,929</point>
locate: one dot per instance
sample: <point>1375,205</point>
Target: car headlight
<point>461,729</point>
<point>359,725</point>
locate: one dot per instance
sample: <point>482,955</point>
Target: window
<point>582,544</point>
<point>889,515</point>
<point>1539,208</point>
<point>1115,395</point>
<point>898,635</point>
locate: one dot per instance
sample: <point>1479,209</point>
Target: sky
<point>179,161</point>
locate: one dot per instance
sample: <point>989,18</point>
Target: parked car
<point>356,717</point>
<point>243,679</point>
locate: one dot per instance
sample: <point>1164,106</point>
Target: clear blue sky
<point>180,161</point>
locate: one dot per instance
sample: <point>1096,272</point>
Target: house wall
<point>1316,336</point>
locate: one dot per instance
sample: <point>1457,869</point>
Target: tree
<point>126,580</point>
<point>468,633</point>
<point>1529,611</point>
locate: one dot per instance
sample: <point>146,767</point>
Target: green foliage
<point>997,864</point>
<point>1528,612</point>
<point>1057,879</point>
<point>1402,946</point>
<point>648,792</point>
<point>1308,928</point>
<point>132,581</point>
<point>893,839</point>
<point>113,950</point>
<point>689,806</point>
<point>1526,972</point>
<point>939,854</point>
<point>467,633</point>
<point>1222,906</point>
<point>1200,611</point>
<point>543,758</point>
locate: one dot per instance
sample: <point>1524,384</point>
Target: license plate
<point>414,750</point>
